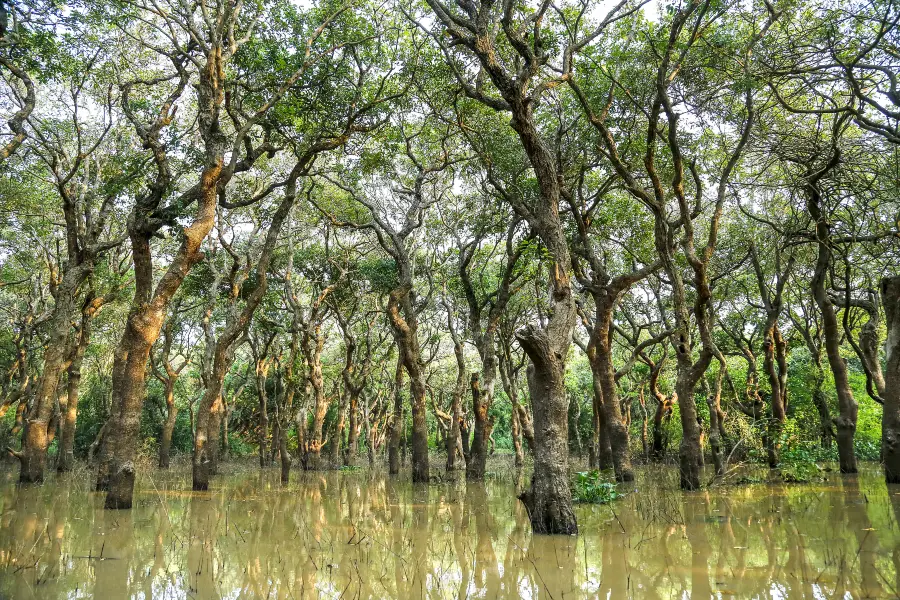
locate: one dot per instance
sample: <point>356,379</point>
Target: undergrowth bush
<point>591,487</point>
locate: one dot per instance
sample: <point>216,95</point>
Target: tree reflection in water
<point>365,535</point>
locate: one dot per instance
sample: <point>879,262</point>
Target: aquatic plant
<point>591,487</point>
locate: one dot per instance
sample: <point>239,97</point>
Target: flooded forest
<point>449,298</point>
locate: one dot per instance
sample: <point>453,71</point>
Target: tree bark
<point>67,437</point>
<point>507,375</point>
<point>476,463</point>
<point>148,310</point>
<point>165,443</point>
<point>847,406</point>
<point>604,383</point>
<point>36,438</point>
<point>353,428</point>
<point>404,322</point>
<point>262,369</point>
<point>890,420</point>
<point>395,424</point>
<point>775,365</point>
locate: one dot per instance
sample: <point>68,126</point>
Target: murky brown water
<point>363,535</point>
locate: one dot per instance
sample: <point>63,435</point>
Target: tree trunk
<point>36,439</point>
<point>475,465</point>
<point>775,366</point>
<point>713,402</point>
<point>395,426</point>
<point>455,432</point>
<point>847,406</point>
<point>402,316</point>
<point>890,420</point>
<point>509,387</point>
<point>352,431</point>
<point>549,500</point>
<point>67,439</point>
<point>337,437</point>
<point>604,382</point>
<point>285,457</point>
<point>165,443</point>
<point>645,446</point>
<point>148,309</point>
<point>213,443</point>
<point>263,433</point>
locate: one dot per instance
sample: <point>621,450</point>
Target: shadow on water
<point>364,535</point>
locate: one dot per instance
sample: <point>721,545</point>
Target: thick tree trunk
<point>890,420</point>
<point>148,310</point>
<point>141,330</point>
<point>476,463</point>
<point>315,439</point>
<point>337,438</point>
<point>690,452</point>
<point>129,380</point>
<point>660,439</point>
<point>419,429</point>
<point>549,500</point>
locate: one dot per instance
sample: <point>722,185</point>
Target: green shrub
<point>590,487</point>
<point>797,463</point>
<point>799,472</point>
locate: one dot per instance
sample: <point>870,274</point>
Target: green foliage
<point>798,462</point>
<point>592,487</point>
<point>799,472</point>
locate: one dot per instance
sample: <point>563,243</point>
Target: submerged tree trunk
<point>508,378</point>
<point>484,334</point>
<point>337,437</point>
<point>454,433</point>
<point>847,406</point>
<point>713,402</point>
<point>476,463</point>
<point>262,370</point>
<point>890,423</point>
<point>645,446</point>
<point>70,418</point>
<point>604,382</point>
<point>165,442</point>
<point>775,365</point>
<point>36,438</point>
<point>395,423</point>
<point>404,322</point>
<point>353,428</point>
<point>149,306</point>
<point>820,401</point>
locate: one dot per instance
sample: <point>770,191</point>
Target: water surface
<point>366,535</point>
